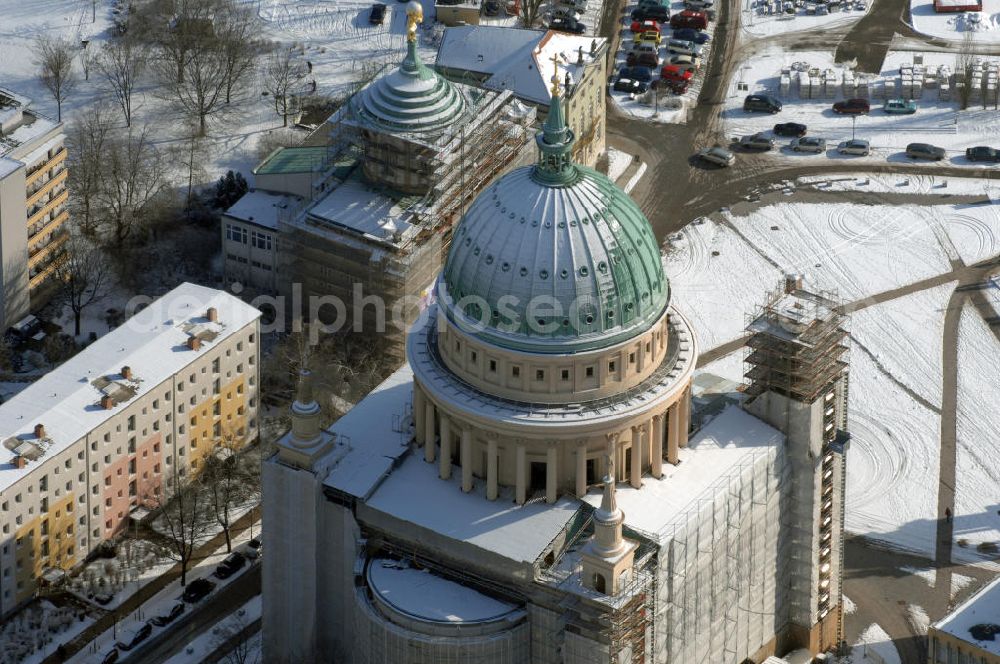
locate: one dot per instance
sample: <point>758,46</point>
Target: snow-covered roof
<point>153,343</point>
<point>371,433</point>
<point>41,152</point>
<point>262,208</point>
<point>516,59</point>
<point>729,440</point>
<point>415,493</point>
<point>427,596</point>
<point>983,608</point>
<point>361,208</point>
<point>8,166</point>
<point>25,134</point>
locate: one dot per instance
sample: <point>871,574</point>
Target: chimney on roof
<point>212,315</point>
<point>20,461</point>
<point>194,343</point>
<point>39,431</point>
<point>127,372</point>
<point>579,55</point>
<point>107,403</point>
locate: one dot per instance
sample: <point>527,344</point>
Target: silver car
<point>718,156</point>
<point>808,144</point>
<point>758,141</point>
<point>855,146</point>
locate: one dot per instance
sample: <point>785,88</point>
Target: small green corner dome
<point>579,249</point>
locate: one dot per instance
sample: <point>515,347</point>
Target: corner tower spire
<point>412,65</point>
<point>555,142</point>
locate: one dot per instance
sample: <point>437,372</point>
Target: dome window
<point>534,223</point>
<point>562,224</point>
<point>505,267</point>
<point>522,220</point>
<point>564,273</point>
<point>544,274</point>
<point>512,215</point>
<point>468,241</point>
<point>548,224</point>
<point>475,252</point>
<point>602,266</point>
<point>584,271</point>
<point>524,271</point>
<point>489,259</point>
<point>611,315</point>
<point>572,223</point>
<point>628,306</point>
<point>589,319</point>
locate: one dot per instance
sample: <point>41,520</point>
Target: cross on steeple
<point>555,74</point>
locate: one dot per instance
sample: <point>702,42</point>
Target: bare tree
<point>530,12</point>
<point>86,137</point>
<point>132,179</point>
<point>240,49</point>
<point>964,60</point>
<point>82,277</point>
<point>200,92</point>
<point>121,63</point>
<point>87,59</point>
<point>55,61</point>
<point>236,634</point>
<point>283,75</point>
<point>224,480</point>
<point>183,518</point>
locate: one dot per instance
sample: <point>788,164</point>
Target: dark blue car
<point>644,74</point>
<point>691,35</point>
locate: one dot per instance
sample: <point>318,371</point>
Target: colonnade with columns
<point>642,447</point>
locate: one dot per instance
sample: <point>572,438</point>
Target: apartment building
<point>249,238</point>
<point>968,635</point>
<point>32,205</point>
<point>100,435</point>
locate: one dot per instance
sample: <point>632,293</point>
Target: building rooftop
<point>978,616</point>
<point>153,343</point>
<point>301,159</point>
<point>262,208</point>
<point>516,59</point>
<point>426,596</point>
<point>720,449</point>
<point>8,166</point>
<point>373,212</point>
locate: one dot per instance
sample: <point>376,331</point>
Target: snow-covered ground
<point>937,122</point>
<point>138,562</point>
<point>977,473</point>
<point>618,163</point>
<point>759,18</point>
<point>984,26</point>
<point>875,646</point>
<point>904,184</point>
<point>35,632</point>
<point>206,642</point>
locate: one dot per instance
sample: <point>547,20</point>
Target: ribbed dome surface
<point>584,248</point>
<point>412,98</point>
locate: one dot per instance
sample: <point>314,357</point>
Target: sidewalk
<point>147,591</point>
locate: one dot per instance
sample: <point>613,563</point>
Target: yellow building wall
<point>939,643</point>
<point>61,536</point>
<point>232,418</point>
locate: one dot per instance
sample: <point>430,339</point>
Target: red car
<point>644,59</point>
<point>676,73</point>
<point>643,26</point>
<point>852,107</point>
<point>689,19</point>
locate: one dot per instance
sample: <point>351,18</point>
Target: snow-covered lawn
<point>937,122</point>
<point>892,466</point>
<point>983,26</point>
<point>903,184</point>
<point>34,632</point>
<point>977,473</point>
<point>137,563</point>
<point>757,21</point>
<point>206,642</point>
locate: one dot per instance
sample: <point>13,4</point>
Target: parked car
<point>579,5</point>
<point>566,24</point>
<point>103,597</point>
<point>644,74</point>
<point>491,8</point>
<point>758,141</point>
<point>676,73</point>
<point>255,543</point>
<point>232,564</point>
<point>377,15</point>
<point>924,151</point>
<point>683,47</point>
<point>691,35</point>
<point>644,47</point>
<point>647,37</point>
<point>110,657</point>
<point>630,86</point>
<point>698,5</point>
<point>196,590</point>
<point>643,59</point>
<point>652,12</point>
<point>855,146</point>
<point>760,102</point>
<point>717,155</point>
<point>131,637</point>
<point>899,107</point>
<point>166,618</point>
<point>686,62</point>
<point>642,26</point>
<point>982,153</point>
<point>808,144</point>
<point>852,107</point>
<point>689,19</point>
<point>789,129</point>
<point>566,12</point>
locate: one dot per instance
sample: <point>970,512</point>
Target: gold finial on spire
<point>555,75</point>
<point>414,15</point>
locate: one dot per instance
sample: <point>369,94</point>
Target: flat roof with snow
<point>982,609</point>
<point>153,343</point>
<point>722,446</point>
<point>426,596</point>
<point>262,208</point>
<point>357,206</point>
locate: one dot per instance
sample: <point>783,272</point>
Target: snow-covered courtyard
<point>982,27</point>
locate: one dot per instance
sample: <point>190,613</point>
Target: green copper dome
<point>554,257</point>
<point>412,98</point>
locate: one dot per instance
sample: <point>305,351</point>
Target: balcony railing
<point>35,257</point>
<point>51,226</point>
<point>46,188</point>
<point>48,207</point>
<point>35,175</point>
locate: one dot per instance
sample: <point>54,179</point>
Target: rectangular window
<point>493,366</point>
<point>611,366</point>
<point>539,374</point>
<point>631,358</point>
<point>515,372</point>
<point>474,357</point>
<point>565,374</point>
<point>590,372</point>
<point>236,233</point>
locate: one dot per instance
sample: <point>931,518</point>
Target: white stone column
<point>685,418</point>
<point>521,478</point>
<point>673,433</point>
<point>444,464</point>
<point>635,470</point>
<point>466,452</point>
<point>581,469</point>
<point>429,431</point>
<point>491,468</point>
<point>418,414</point>
<point>551,474</point>
<point>656,453</point>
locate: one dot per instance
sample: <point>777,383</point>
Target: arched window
<point>599,585</point>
